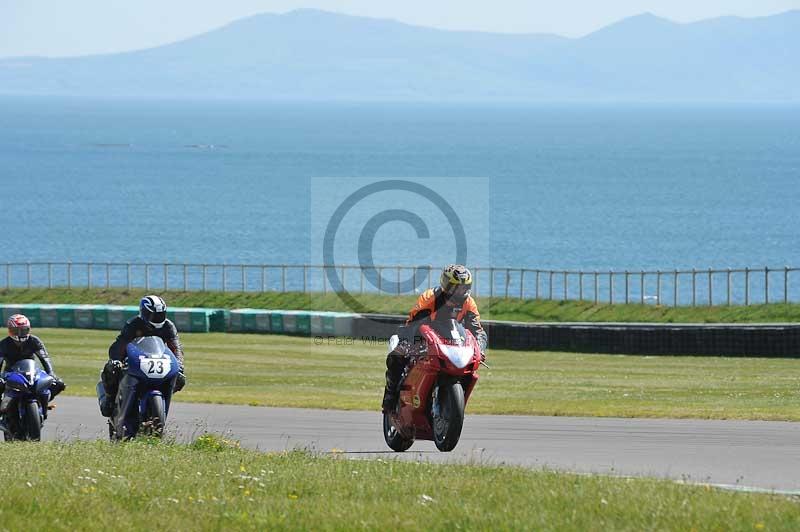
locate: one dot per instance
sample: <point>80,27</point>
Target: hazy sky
<point>76,27</point>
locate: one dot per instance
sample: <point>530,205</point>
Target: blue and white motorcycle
<point>145,390</point>
<point>29,388</point>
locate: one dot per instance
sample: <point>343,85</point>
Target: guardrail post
<point>596,287</point>
<point>641,286</point>
<point>204,277</point>
<point>694,287</point>
<point>8,276</point>
<point>88,275</point>
<point>611,287</point>
<point>108,276</point>
<point>49,275</point>
<point>536,293</point>
<point>627,275</point>
<point>521,283</point>
<point>398,280</point>
<point>658,287</point>
<point>729,287</point>
<point>491,282</point>
<point>675,289</point>
<point>69,275</point>
<point>283,278</point>
<point>550,288</point>
<point>166,277</point>
<point>785,284</point>
<point>710,289</point>
<point>566,281</point>
<point>147,277</point>
<point>580,286</point>
<point>244,278</point>
<point>129,276</point>
<point>508,281</point>
<point>29,275</point>
<point>185,277</point>
<point>746,286</point>
<point>264,278</point>
<point>360,281</point>
<point>325,280</point>
<point>224,277</point>
<point>766,285</point>
<point>305,278</point>
<point>380,280</point>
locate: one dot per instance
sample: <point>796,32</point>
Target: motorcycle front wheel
<point>448,416</point>
<point>155,417</point>
<point>394,439</point>
<point>32,421</point>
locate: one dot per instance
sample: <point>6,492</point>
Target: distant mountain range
<point>316,55</point>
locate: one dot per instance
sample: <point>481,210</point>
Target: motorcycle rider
<point>151,321</point>
<point>451,299</point>
<point>20,344</point>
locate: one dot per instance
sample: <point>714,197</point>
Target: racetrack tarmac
<point>747,454</point>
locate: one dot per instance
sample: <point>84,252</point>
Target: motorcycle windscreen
<point>459,355</point>
<point>150,358</point>
<point>454,346</point>
<point>148,346</point>
<point>27,368</point>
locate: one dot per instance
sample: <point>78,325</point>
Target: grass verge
<point>272,370</point>
<point>213,485</point>
<point>496,309</point>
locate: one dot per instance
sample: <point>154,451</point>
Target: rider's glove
<point>180,382</point>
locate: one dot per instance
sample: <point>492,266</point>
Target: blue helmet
<point>153,310</point>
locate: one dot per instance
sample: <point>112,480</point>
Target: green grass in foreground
<point>274,370</point>
<point>212,485</point>
<point>496,309</point>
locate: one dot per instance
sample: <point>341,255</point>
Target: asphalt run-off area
<point>746,455</point>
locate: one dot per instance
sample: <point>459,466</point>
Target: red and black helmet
<point>19,328</point>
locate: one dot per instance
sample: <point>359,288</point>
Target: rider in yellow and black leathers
<point>451,299</point>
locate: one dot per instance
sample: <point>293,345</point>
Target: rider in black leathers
<point>151,321</point>
<point>20,344</point>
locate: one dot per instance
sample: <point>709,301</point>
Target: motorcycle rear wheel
<point>394,439</point>
<point>32,422</point>
<point>449,420</point>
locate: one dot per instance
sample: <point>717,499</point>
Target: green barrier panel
<point>32,312</point>
<point>84,316</point>
<point>296,321</point>
<point>250,320</point>
<point>65,315</point>
<point>100,317</point>
<point>191,319</point>
<point>332,323</point>
<point>276,322</point>
<point>337,324</point>
<point>113,317</point>
<point>119,315</point>
<point>49,315</point>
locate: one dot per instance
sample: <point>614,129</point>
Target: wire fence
<point>745,286</point>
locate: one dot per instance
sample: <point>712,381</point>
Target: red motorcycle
<point>435,387</point>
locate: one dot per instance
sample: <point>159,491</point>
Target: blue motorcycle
<point>145,390</point>
<point>29,389</point>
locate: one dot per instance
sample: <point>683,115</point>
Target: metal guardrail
<point>666,287</point>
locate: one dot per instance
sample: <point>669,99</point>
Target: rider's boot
<point>394,370</point>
